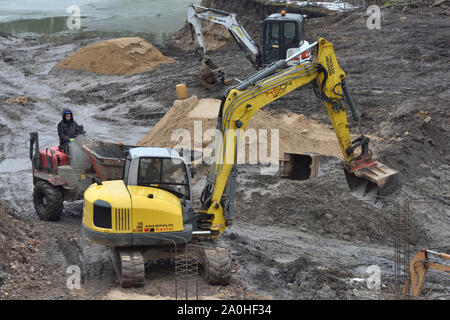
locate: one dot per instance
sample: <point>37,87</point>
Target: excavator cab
<point>148,215</point>
<point>280,32</point>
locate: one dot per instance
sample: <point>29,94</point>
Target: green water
<point>154,20</point>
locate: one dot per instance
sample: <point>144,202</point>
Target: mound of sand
<point>297,133</point>
<point>121,56</point>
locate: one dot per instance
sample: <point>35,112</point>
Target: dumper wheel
<point>48,201</point>
<point>217,266</point>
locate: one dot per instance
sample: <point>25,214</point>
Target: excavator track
<point>217,265</point>
<point>129,266</point>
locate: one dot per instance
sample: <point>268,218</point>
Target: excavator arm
<point>418,268</point>
<point>230,22</point>
<point>239,105</point>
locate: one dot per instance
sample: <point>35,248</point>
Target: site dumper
<point>60,176</point>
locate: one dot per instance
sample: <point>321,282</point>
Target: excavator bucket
<point>376,183</point>
<point>210,74</point>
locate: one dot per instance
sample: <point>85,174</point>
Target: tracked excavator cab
<point>148,215</point>
<point>280,32</point>
<point>155,198</point>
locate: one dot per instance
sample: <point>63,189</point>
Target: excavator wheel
<point>129,266</point>
<point>48,201</point>
<point>217,266</point>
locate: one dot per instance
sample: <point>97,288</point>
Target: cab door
<point>271,41</point>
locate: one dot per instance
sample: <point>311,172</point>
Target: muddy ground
<point>290,239</point>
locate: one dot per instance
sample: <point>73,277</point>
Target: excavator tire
<point>48,201</point>
<point>129,266</point>
<point>217,266</point>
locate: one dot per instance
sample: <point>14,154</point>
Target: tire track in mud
<point>296,265</point>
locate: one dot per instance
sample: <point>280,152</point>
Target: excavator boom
<point>230,22</point>
<point>243,101</point>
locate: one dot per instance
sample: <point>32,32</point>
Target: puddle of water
<point>45,25</point>
<point>14,165</point>
<point>153,20</point>
<point>48,28</point>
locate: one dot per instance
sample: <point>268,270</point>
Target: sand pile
<point>121,56</point>
<point>296,132</point>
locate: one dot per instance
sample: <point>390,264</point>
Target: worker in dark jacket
<point>68,129</point>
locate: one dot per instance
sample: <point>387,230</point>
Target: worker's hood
<point>64,115</point>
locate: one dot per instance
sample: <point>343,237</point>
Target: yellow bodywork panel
<point>161,212</point>
<point>132,211</point>
<point>327,58</point>
<point>113,192</point>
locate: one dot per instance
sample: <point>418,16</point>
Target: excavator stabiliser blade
<point>375,183</point>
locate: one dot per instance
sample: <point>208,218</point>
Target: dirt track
<point>308,243</point>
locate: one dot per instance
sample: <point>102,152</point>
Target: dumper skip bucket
<point>108,159</point>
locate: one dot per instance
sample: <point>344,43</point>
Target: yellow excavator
<point>149,212</point>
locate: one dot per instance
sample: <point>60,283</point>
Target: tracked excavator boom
<point>367,179</point>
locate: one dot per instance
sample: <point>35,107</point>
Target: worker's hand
<point>71,139</point>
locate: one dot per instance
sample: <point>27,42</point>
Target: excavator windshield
<point>164,173</point>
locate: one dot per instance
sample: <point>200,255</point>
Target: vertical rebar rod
<point>397,249</point>
<point>406,239</point>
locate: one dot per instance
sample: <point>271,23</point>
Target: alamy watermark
<point>374,19</point>
<point>253,146</point>
<point>73,22</point>
<point>74,280</point>
<point>374,280</point>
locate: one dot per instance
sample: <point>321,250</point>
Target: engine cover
<point>118,215</point>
